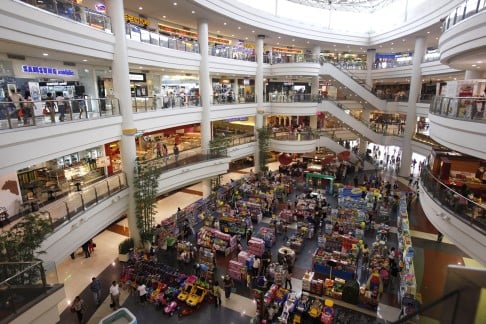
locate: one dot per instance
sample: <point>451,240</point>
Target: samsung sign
<point>46,70</point>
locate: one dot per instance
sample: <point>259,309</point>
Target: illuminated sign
<point>190,34</point>
<point>100,7</point>
<point>46,70</point>
<point>137,77</point>
<point>136,20</point>
<point>287,50</point>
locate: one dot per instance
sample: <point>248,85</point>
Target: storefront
<point>48,180</point>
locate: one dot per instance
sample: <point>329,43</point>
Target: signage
<point>287,50</point>
<point>46,70</point>
<point>103,161</point>
<point>137,77</point>
<point>187,33</point>
<point>100,7</point>
<point>136,20</point>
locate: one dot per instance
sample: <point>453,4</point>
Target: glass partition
<point>72,10</point>
<point>464,108</point>
<point>465,10</point>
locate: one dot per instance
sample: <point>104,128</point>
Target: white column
<point>236,89</point>
<point>414,93</point>
<point>316,52</point>
<point>472,74</point>
<point>205,94</point>
<point>365,116</point>
<point>370,59</point>
<point>121,90</point>
<point>259,93</point>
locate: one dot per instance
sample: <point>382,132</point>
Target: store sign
<point>136,20</point>
<point>287,50</point>
<point>187,33</point>
<point>103,161</point>
<point>100,7</point>
<point>47,70</point>
<point>137,77</point>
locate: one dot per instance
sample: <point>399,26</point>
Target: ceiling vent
<point>16,57</point>
<point>69,63</point>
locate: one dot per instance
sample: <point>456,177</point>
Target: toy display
<point>328,312</point>
<point>196,297</point>
<point>315,309</point>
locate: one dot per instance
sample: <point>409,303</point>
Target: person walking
<point>217,294</point>
<point>288,279</point>
<point>86,250</point>
<point>165,153</point>
<point>95,287</point>
<point>78,307</point>
<point>142,291</point>
<point>159,150</point>
<point>115,295</point>
<point>176,153</point>
<point>228,286</point>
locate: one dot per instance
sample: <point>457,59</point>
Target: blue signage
<point>46,70</point>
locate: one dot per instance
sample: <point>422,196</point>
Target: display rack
<point>267,234</point>
<point>250,208</point>
<point>232,225</point>
<point>211,238</point>
<point>345,264</point>
<point>207,257</point>
<point>184,250</point>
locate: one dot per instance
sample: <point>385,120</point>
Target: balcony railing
<point>52,112</point>
<point>63,210</point>
<point>22,285</point>
<point>294,136</point>
<point>465,10</point>
<point>283,58</point>
<point>463,108</point>
<point>450,195</point>
<point>72,10</point>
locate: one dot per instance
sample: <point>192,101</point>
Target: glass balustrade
<point>463,108</point>
<point>63,210</point>
<point>285,58</point>
<point>457,196</point>
<point>55,112</point>
<point>463,11</point>
<point>23,284</point>
<point>73,11</point>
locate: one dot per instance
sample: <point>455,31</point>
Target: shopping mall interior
<point>318,167</point>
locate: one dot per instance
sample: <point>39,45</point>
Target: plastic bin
<point>120,316</point>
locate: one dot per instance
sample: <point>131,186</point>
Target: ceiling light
<point>307,42</point>
<point>217,31</point>
<point>140,67</point>
<point>246,37</point>
<point>225,23</point>
<point>403,40</point>
<point>278,43</point>
<point>164,17</point>
<point>473,65</point>
<point>193,12</point>
<point>334,45</point>
<point>140,8</point>
<point>175,3</point>
<point>479,62</point>
<point>232,35</point>
<point>428,32</point>
<point>392,43</point>
<point>239,27</point>
<point>279,37</point>
<point>253,31</point>
<point>293,39</point>
<point>85,60</point>
<point>45,54</point>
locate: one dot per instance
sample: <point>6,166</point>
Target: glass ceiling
<point>346,5</point>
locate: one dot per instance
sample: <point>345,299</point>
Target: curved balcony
<point>454,214</point>
<point>52,112</point>
<point>293,142</point>
<point>458,123</point>
<point>465,10</point>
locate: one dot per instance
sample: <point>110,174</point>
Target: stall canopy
<point>329,178</point>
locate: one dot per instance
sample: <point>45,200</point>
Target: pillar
<point>259,94</point>
<point>121,90</point>
<point>316,53</point>
<point>205,94</point>
<point>472,74</point>
<point>370,59</point>
<point>313,122</point>
<point>414,93</point>
<point>236,90</point>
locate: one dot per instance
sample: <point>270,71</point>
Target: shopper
<point>288,279</point>
<point>159,149</point>
<point>256,266</point>
<point>95,287</point>
<point>176,153</point>
<point>78,307</point>
<point>115,295</point>
<point>86,250</point>
<point>217,294</point>
<point>61,105</point>
<point>228,286</point>
<point>142,292</point>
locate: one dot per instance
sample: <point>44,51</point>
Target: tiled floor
<point>430,261</point>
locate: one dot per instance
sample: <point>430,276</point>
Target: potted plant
<point>124,249</point>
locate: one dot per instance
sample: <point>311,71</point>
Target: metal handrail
<point>462,108</point>
<point>462,207</point>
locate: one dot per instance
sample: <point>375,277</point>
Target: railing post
<point>82,201</point>
<point>96,195</point>
<point>108,186</point>
<point>67,211</point>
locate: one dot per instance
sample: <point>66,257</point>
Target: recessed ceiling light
<point>253,31</point>
<point>403,40</point>
<point>381,46</point>
<point>278,43</point>
<point>428,32</point>
<point>140,67</point>
<point>164,17</point>
<point>293,39</point>
<point>85,60</point>
<point>225,23</point>
<point>45,54</point>
<point>193,12</point>
<point>307,42</point>
<point>175,3</point>
<point>246,37</point>
<point>392,43</point>
<point>239,27</point>
<point>217,31</point>
<point>479,62</point>
<point>334,45</point>
<point>474,65</point>
<point>279,37</point>
<point>140,8</point>
<point>232,35</point>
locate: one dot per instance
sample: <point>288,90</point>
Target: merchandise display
<point>211,238</point>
